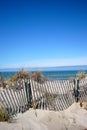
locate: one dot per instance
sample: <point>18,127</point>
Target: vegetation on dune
<point>81,75</point>
<point>16,77</point>
<point>2,83</point>
<point>4,116</point>
<point>38,76</point>
<point>22,75</point>
<point>11,81</point>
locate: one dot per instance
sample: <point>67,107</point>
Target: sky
<point>43,33</point>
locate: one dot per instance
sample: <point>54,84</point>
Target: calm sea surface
<point>49,74</point>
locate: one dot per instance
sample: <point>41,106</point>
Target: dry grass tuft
<point>4,115</point>
<point>81,75</point>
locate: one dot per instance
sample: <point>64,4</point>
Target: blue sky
<point>38,33</point>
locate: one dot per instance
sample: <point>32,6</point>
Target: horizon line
<point>42,67</point>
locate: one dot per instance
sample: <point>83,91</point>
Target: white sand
<point>74,118</point>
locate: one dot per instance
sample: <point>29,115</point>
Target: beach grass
<point>4,116</point>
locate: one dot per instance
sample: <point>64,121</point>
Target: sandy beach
<point>73,118</point>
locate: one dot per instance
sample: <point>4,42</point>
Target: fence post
<point>76,89</point>
<point>28,93</point>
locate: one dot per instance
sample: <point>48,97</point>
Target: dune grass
<point>4,116</point>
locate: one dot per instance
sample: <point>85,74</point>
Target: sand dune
<point>74,118</point>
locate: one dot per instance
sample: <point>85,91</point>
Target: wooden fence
<point>52,95</point>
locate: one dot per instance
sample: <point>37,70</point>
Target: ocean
<point>57,74</point>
